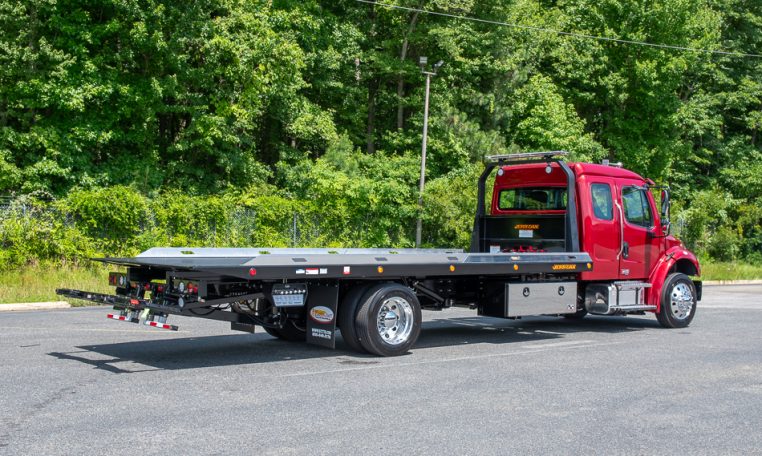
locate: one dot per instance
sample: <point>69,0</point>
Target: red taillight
<point>117,279</point>
<point>160,289</point>
<point>147,287</point>
<point>252,272</point>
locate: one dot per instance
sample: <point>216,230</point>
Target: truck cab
<point>540,203</point>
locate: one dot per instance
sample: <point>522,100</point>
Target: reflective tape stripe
<point>161,325</point>
<point>121,318</point>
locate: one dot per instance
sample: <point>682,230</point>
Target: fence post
<point>293,242</point>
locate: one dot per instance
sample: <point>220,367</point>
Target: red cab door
<point>640,232</point>
<point>600,227</point>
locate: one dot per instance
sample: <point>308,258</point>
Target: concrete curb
<point>712,283</point>
<point>34,306</point>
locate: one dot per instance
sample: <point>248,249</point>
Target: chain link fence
<point>239,227</point>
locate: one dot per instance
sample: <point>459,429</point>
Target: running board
<point>633,308</point>
<point>617,297</point>
<point>627,285</point>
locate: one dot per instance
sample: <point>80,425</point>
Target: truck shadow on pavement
<point>475,330</point>
<point>242,349</point>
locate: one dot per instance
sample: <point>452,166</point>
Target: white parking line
<point>47,330</point>
<point>558,344</point>
<point>533,349</point>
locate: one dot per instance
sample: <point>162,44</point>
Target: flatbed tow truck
<point>563,239</point>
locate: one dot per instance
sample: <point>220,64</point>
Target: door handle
<point>621,231</point>
<point>625,250</point>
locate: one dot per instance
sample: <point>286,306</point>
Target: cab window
<point>603,206</point>
<point>637,210</point>
<point>532,199</point>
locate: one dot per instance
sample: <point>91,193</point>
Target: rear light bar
<point>118,279</point>
<point>184,286</point>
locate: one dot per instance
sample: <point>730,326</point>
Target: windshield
<point>532,199</point>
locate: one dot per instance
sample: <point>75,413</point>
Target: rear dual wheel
<point>384,320</point>
<point>347,314</point>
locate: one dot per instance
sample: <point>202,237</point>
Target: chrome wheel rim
<point>395,320</point>
<point>681,301</point>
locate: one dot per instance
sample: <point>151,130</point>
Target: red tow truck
<point>562,239</point>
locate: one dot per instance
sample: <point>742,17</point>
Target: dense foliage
<point>146,122</point>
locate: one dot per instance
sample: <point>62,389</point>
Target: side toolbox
<point>540,298</point>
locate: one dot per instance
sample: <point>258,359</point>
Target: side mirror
<point>665,203</point>
<point>665,226</point>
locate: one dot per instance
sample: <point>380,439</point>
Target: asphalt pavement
<point>73,382</point>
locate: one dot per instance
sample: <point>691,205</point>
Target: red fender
<point>662,269</point>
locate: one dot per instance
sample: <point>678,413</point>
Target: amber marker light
<point>452,268</point>
<point>515,267</point>
<point>380,269</point>
<point>589,265</point>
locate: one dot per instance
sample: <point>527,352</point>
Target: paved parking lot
<point>73,382</point>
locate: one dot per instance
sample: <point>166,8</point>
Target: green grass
<point>38,283</point>
<point>730,271</point>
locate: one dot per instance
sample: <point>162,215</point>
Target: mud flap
<point>322,304</point>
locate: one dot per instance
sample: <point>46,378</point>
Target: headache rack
<point>481,231</point>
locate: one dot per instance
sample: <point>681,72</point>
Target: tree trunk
<point>373,82</point>
<point>370,134</point>
<point>401,79</point>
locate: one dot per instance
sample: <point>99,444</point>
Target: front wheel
<point>678,301</point>
<point>388,321</point>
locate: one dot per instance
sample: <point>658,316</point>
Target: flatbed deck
<point>291,264</point>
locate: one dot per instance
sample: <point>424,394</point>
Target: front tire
<point>388,321</point>
<point>678,301</point>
